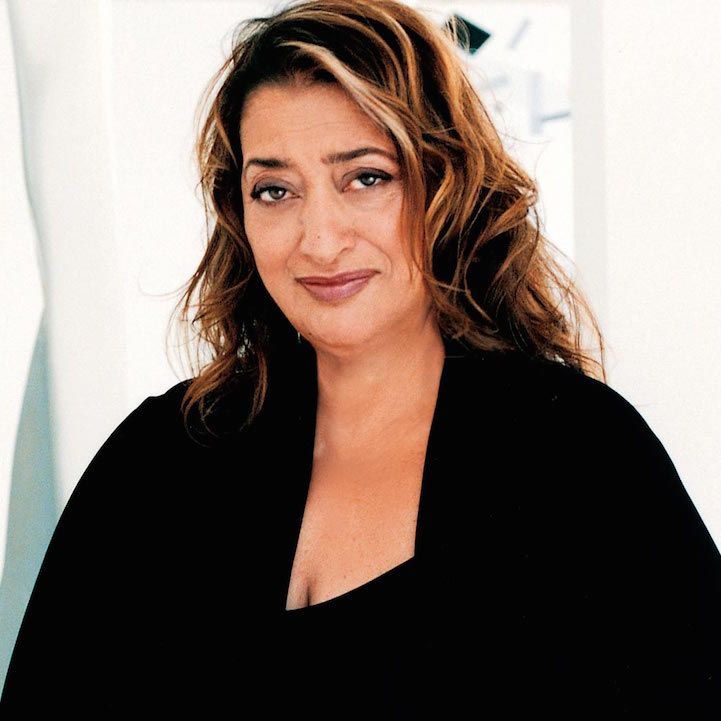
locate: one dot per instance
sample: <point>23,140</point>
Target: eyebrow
<point>332,158</point>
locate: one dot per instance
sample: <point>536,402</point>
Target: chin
<point>340,338</point>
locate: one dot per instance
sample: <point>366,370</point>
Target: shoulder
<point>149,420</point>
<point>148,463</point>
<point>148,436</point>
<point>123,475</point>
<point>542,387</point>
<point>594,433</point>
<point>166,407</point>
<point>170,419</point>
<point>142,429</point>
<point>579,449</point>
<point>564,419</point>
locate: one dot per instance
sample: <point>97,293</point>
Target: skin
<point>379,352</point>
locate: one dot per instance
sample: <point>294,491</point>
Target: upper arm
<point>58,655</point>
<point>659,569</point>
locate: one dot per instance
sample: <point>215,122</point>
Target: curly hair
<point>492,277</point>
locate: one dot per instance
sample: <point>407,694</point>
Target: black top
<point>356,653</point>
<point>560,567</point>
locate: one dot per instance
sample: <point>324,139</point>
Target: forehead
<point>277,114</point>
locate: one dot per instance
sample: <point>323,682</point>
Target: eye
<point>370,174</point>
<point>257,192</point>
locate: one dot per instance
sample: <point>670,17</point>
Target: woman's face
<point>309,214</point>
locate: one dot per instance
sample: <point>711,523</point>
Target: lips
<point>338,279</point>
<point>336,287</point>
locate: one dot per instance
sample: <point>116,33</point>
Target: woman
<point>397,489</point>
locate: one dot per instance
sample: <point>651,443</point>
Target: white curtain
<point>27,491</point>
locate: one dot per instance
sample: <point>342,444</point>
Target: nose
<point>326,228</point>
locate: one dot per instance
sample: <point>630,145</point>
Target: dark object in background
<point>474,36</point>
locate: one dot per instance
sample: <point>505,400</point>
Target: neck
<point>363,393</point>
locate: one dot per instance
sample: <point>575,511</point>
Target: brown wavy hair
<point>492,276</point>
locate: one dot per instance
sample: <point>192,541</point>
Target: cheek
<point>269,263</point>
<point>268,241</point>
<point>266,247</point>
<point>395,245</point>
<point>396,249</point>
<point>271,278</point>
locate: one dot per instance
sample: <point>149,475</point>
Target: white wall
<point>20,276</point>
<point>648,216</point>
<point>67,156</point>
<point>522,73</point>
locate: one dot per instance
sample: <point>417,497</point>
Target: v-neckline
<point>342,599</point>
<point>306,418</point>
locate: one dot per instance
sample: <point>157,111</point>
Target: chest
<point>359,521</point>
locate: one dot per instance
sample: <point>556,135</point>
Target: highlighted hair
<point>492,276</point>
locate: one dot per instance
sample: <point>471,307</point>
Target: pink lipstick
<point>336,287</point>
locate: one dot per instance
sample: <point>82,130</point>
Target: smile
<point>336,291</point>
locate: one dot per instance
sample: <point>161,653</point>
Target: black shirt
<point>560,567</point>
<point>355,654</point>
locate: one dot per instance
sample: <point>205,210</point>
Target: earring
<point>299,337</point>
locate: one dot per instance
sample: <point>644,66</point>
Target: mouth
<point>336,287</point>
